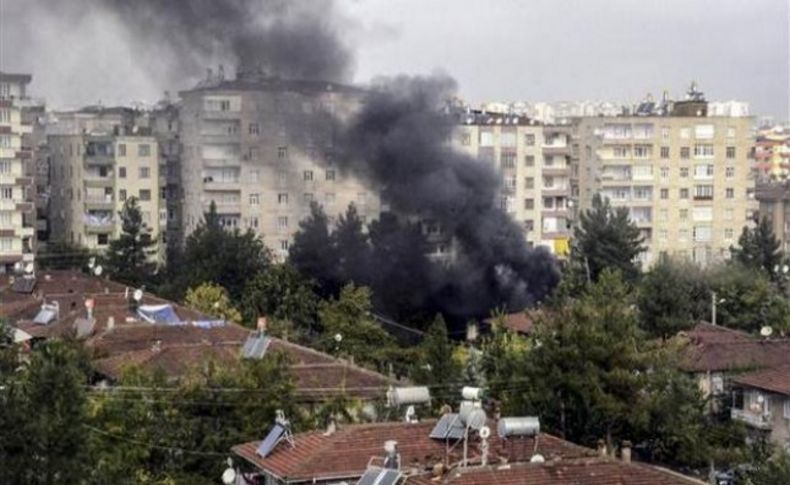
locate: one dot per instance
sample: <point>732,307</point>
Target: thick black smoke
<point>295,39</point>
<point>400,142</point>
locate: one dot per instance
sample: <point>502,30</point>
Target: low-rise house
<point>519,322</point>
<point>762,401</point>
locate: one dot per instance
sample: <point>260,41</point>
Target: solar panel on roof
<point>255,346</point>
<point>24,285</point>
<point>271,440</point>
<point>44,316</point>
<point>380,476</point>
<point>449,426</point>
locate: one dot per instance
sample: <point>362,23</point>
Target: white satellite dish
<point>98,270</point>
<point>537,458</point>
<point>229,476</point>
<point>29,268</point>
<point>137,295</point>
<point>485,432</point>
<point>766,331</point>
<point>338,338</point>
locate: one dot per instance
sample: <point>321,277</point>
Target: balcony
<point>556,149</point>
<point>220,115</point>
<point>99,226</point>
<point>757,420</point>
<point>98,181</point>
<point>555,191</point>
<point>221,138</point>
<point>560,171</point>
<point>221,162</point>
<point>221,185</point>
<point>99,161</point>
<point>99,203</point>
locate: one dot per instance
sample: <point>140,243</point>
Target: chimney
<point>110,323</point>
<point>625,451</point>
<point>601,448</point>
<point>392,460</point>
<point>157,347</point>
<point>331,426</point>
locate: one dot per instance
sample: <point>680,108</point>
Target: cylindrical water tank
<point>399,396</point>
<point>522,426</point>
<point>472,393</point>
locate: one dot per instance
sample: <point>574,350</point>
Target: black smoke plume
<point>294,39</point>
<point>399,141</point>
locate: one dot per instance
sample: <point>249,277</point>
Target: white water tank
<point>398,396</point>
<point>522,426</point>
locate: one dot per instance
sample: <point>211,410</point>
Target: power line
<point>154,446</point>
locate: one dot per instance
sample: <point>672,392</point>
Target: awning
<point>159,314</point>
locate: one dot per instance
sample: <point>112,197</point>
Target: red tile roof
<point>592,471</point>
<point>775,380</point>
<point>717,349</point>
<point>521,322</point>
<point>347,452</point>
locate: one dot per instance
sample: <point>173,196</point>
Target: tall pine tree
<point>758,248</point>
<point>130,258</point>
<point>313,253</point>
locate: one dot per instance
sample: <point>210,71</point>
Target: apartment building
<point>92,175</point>
<point>534,163</point>
<point>262,150</point>
<point>684,176</point>
<point>17,187</point>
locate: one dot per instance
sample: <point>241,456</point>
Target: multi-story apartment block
<point>534,162</point>
<point>774,200</point>
<point>92,175</point>
<point>684,176</point>
<point>17,187</point>
<point>262,150</point>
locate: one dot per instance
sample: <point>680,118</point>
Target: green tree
<point>60,254</point>
<point>43,412</point>
<point>313,252</point>
<point>671,296</point>
<point>436,364</point>
<point>212,300</point>
<point>129,258</point>
<point>773,471</point>
<point>283,295</point>
<point>607,238</point>
<point>348,329</point>
<point>228,258</point>
<point>747,299</point>
<point>352,248</point>
<point>758,248</point>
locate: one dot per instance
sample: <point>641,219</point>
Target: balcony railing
<point>759,420</point>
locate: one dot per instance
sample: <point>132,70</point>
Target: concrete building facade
<point>17,170</point>
<point>534,163</point>
<point>685,177</point>
<point>262,150</point>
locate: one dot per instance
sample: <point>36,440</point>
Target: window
<point>330,198</point>
<point>122,172</point>
<point>704,132</point>
<point>307,198</point>
<point>663,235</point>
<point>145,194</point>
<point>255,175</point>
<point>529,204</point>
<point>729,193</point>
<point>664,172</point>
<point>330,174</point>
<point>728,234</point>
<point>702,233</point>
<point>529,160</point>
<point>122,194</point>
<point>5,166</point>
<point>507,139</point>
<point>684,172</point>
<point>685,133</point>
<point>122,149</point>
<point>529,140</point>
<point>529,225</point>
<point>663,214</point>
<point>703,171</point>
<point>254,199</point>
<point>6,193</point>
<point>729,214</point>
<point>529,183</point>
<point>307,175</point>
<point>510,183</point>
<point>282,199</point>
<point>102,239</point>
<point>254,222</point>
<point>683,234</point>
<point>729,172</point>
<point>284,245</point>
<point>665,133</point>
<point>684,193</point>
<point>703,191</point>
<point>486,139</point>
<point>466,139</point>
<point>5,219</point>
<point>730,152</point>
<point>282,152</point>
<point>145,172</point>
<point>703,151</point>
<point>664,194</point>
<point>282,222</point>
<point>5,116</point>
<point>685,152</point>
<point>703,214</point>
<point>508,160</point>
<point>548,182</point>
<point>144,150</point>
<point>664,152</point>
<point>642,151</point>
<point>254,129</point>
<point>621,151</point>
<point>6,244</point>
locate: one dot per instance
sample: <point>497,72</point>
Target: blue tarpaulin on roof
<point>208,323</point>
<point>159,314</point>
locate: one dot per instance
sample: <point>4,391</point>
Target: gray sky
<point>496,49</point>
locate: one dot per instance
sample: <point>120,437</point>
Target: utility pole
<point>713,307</point>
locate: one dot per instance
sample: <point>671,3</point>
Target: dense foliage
<point>131,258</point>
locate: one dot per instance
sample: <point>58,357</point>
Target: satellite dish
<point>229,476</point>
<point>18,266</point>
<point>92,262</point>
<point>537,458</point>
<point>785,269</point>
<point>98,270</point>
<point>137,295</point>
<point>338,338</point>
<point>485,432</point>
<point>766,331</point>
<point>29,268</point>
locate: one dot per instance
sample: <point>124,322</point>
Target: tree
<point>671,297</point>
<point>60,254</point>
<point>313,252</point>
<point>360,337</point>
<point>758,248</point>
<point>436,365</point>
<point>228,258</point>
<point>773,471</point>
<point>352,248</point>
<point>212,300</point>
<point>129,258</point>
<point>607,238</point>
<point>283,295</point>
<point>43,413</point>
<point>747,299</point>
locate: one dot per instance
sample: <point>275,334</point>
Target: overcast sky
<point>497,49</point>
